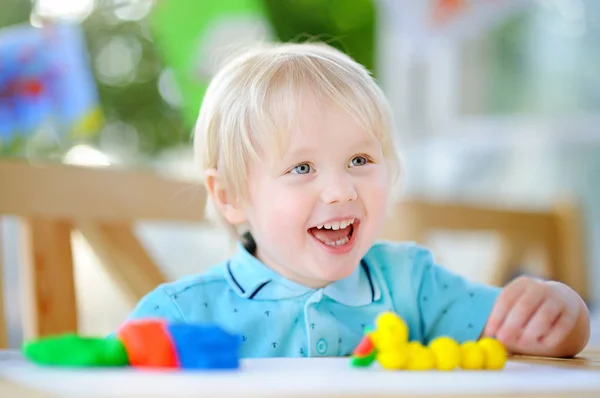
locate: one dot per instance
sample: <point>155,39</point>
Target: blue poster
<point>46,82</point>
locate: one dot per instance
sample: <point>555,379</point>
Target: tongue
<point>330,234</point>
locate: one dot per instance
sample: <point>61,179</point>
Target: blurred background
<point>497,104</point>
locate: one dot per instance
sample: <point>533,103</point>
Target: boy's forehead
<point>291,123</point>
<point>305,123</point>
<point>322,119</point>
<point>347,136</point>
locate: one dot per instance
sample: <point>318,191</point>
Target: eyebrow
<point>368,143</point>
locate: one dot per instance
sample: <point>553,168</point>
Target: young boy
<point>295,143</point>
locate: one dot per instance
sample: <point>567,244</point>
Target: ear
<point>223,199</point>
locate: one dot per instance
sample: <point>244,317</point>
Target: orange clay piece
<point>148,344</point>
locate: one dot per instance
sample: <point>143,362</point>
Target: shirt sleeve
<point>450,305</point>
<point>157,304</point>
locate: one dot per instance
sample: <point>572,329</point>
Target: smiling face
<point>295,141</point>
<point>315,211</point>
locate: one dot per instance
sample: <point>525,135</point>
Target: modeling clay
<point>419,357</point>
<point>446,352</point>
<point>381,343</point>
<point>364,354</point>
<point>393,359</point>
<point>494,353</point>
<point>471,356</point>
<point>388,344</point>
<point>142,343</point>
<point>73,350</point>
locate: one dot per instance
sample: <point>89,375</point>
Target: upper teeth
<point>336,224</point>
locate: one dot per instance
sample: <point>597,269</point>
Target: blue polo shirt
<point>280,318</point>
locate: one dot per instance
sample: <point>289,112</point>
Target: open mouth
<point>335,234</point>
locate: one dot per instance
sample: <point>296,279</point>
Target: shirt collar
<point>251,279</point>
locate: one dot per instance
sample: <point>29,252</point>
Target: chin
<point>336,274</point>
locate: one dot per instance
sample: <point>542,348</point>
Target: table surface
<point>584,367</point>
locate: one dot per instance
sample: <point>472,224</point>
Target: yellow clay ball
<point>393,324</point>
<point>446,352</point>
<point>471,356</point>
<point>393,359</point>
<point>494,352</point>
<point>391,331</point>
<point>419,357</point>
<point>384,342</point>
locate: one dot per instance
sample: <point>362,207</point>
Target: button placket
<point>311,318</point>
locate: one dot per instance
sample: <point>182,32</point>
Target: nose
<point>338,189</point>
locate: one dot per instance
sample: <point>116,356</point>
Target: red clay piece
<point>148,344</point>
<point>365,347</point>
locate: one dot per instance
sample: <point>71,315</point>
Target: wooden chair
<point>558,232</point>
<point>102,204</point>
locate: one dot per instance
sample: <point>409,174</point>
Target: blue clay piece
<point>205,346</point>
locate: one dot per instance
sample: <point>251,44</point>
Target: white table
<point>314,377</point>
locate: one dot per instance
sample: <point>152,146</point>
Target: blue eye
<point>358,161</point>
<point>303,168</point>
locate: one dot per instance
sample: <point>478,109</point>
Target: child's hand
<point>539,318</point>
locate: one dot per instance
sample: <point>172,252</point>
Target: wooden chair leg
<point>512,251</point>
<point>570,265</point>
<point>123,256</point>
<point>48,278</point>
<point>3,321</point>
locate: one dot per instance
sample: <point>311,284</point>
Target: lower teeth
<point>338,242</point>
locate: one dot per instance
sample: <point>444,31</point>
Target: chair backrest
<point>102,204</point>
<point>414,219</point>
<point>101,194</point>
<point>558,232</point>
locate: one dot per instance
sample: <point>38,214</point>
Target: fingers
<point>506,300</point>
<point>559,330</point>
<point>519,315</point>
<point>534,317</point>
<point>541,323</point>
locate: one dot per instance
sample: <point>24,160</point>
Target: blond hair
<point>253,101</point>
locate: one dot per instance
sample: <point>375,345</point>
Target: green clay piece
<point>361,362</point>
<point>71,350</point>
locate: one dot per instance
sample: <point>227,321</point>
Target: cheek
<point>376,193</point>
<point>280,211</point>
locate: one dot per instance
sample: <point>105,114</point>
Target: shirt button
<point>321,346</point>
